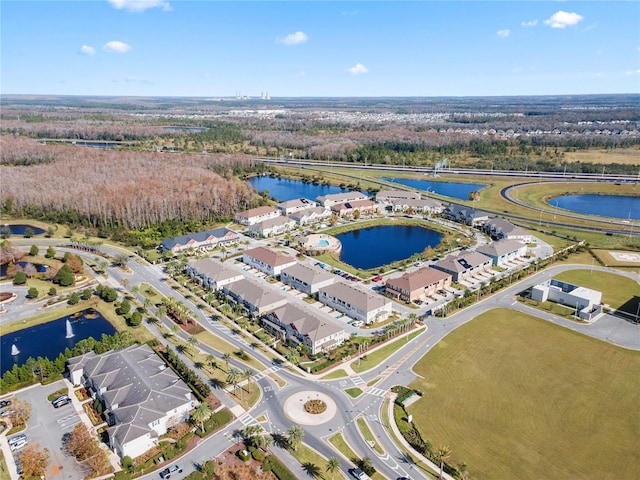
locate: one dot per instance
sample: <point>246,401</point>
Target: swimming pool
<point>323,243</point>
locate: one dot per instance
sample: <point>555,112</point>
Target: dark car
<point>5,403</point>
<point>167,472</point>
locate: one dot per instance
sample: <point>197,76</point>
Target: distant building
<point>393,196</point>
<point>256,298</point>
<point>419,284</point>
<point>503,251</point>
<point>349,208</point>
<point>267,261</point>
<point>305,326</point>
<point>142,398</point>
<point>464,265</point>
<point>209,239</point>
<point>292,206</point>
<point>309,216</point>
<point>499,228</point>
<point>355,302</point>
<point>584,300</point>
<point>255,215</point>
<point>466,215</point>
<point>272,226</point>
<point>213,274</point>
<point>335,198</point>
<point>306,279</point>
<point>427,206</point>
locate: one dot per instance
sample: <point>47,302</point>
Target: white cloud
<point>530,23</point>
<point>357,69</point>
<point>633,72</point>
<point>293,38</point>
<point>87,50</point>
<point>116,46</point>
<point>503,33</point>
<point>562,19</point>
<point>301,74</point>
<point>139,5</point>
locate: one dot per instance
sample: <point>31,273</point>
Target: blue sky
<point>309,48</point>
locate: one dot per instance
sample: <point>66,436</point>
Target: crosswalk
<point>378,392</point>
<point>247,420</point>
<point>266,372</point>
<point>357,380</point>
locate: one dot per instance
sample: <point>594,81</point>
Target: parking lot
<point>46,427</point>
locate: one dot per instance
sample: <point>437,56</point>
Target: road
<point>397,369</point>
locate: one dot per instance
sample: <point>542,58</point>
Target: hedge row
<point>272,464</point>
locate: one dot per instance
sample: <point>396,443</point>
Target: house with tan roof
<point>295,205</point>
<point>305,278</point>
<point>304,325</point>
<point>464,265</point>
<point>213,274</point>
<point>418,284</point>
<point>392,196</point>
<point>272,226</point>
<point>349,208</point>
<point>328,201</point>
<point>355,302</point>
<point>503,251</point>
<point>310,216</point>
<point>256,298</point>
<point>255,215</point>
<point>142,398</point>
<point>267,260</point>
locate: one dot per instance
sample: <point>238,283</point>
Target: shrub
<point>74,299</point>
<point>258,455</point>
<point>33,293</point>
<point>244,455</point>
<point>34,250</point>
<point>272,464</point>
<point>136,319</point>
<point>214,422</point>
<point>52,291</point>
<point>20,278</point>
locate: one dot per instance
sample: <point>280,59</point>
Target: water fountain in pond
<point>14,350</point>
<point>70,333</point>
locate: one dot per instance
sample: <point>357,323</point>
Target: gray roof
<point>462,262</point>
<point>360,299</point>
<point>218,233</point>
<point>296,202</point>
<point>506,227</point>
<point>139,383</point>
<point>270,223</point>
<point>215,270</point>
<point>421,278</point>
<point>255,294</point>
<point>306,321</point>
<point>390,195</point>
<point>308,274</point>
<point>499,248</point>
<point>308,211</point>
<point>342,197</point>
<point>467,212</point>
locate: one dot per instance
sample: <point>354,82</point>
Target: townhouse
<point>418,284</point>
<point>464,265</point>
<point>255,215</point>
<point>212,274</point>
<point>333,199</point>
<point>207,240</point>
<point>355,302</point>
<point>503,251</point>
<point>272,226</point>
<point>267,261</point>
<point>306,279</point>
<point>498,228</point>
<point>256,298</point>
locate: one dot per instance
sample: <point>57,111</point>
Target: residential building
<point>305,278</point>
<point>355,302</point>
<point>207,240</point>
<point>427,206</point>
<point>304,325</point>
<point>349,208</point>
<point>335,198</point>
<point>464,265</point>
<point>272,226</point>
<point>503,251</point>
<point>418,284</point>
<point>292,206</point>
<point>212,273</point>
<point>393,196</point>
<point>267,261</point>
<point>255,215</point>
<point>466,215</point>
<point>256,298</point>
<point>311,215</point>
<point>499,228</point>
<point>142,398</point>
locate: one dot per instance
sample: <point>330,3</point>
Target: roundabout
<point>310,407</point>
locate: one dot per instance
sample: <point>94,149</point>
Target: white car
<point>19,444</point>
<point>357,323</point>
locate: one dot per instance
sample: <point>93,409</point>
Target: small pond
<point>283,189</point>
<point>34,267</point>
<point>615,206</point>
<point>376,246</point>
<point>50,339</point>
<point>21,229</point>
<point>449,189</point>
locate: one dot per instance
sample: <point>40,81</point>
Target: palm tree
<point>211,360</point>
<point>193,341</point>
<point>201,414</point>
<point>295,435</point>
<point>124,282</point>
<point>464,471</point>
<point>443,453</point>
<point>333,466</point>
<point>251,431</point>
<point>262,441</point>
<point>147,304</point>
<point>293,356</point>
<point>161,311</point>
<point>233,376</point>
<point>226,357</point>
<point>135,289</point>
<point>247,374</point>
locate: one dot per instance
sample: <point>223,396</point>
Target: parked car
<point>357,323</point>
<point>17,438</point>
<point>18,445</point>
<point>5,403</point>
<point>167,472</point>
<point>60,401</point>
<point>377,278</point>
<point>359,474</point>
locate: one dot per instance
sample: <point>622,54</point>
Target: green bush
<point>258,455</point>
<point>20,278</point>
<point>33,293</point>
<point>214,422</point>
<point>272,464</point>
<point>244,455</point>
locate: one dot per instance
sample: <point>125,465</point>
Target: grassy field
<point>373,359</point>
<point>624,156</point>
<point>516,397</point>
<point>340,373</point>
<point>617,291</point>
<point>609,261</point>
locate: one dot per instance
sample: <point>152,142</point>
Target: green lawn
<point>374,359</point>
<point>354,392</point>
<point>517,397</point>
<point>617,291</point>
<point>363,426</point>
<point>335,374</point>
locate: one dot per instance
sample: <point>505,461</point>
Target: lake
<point>376,246</point>
<point>50,339</point>
<point>19,229</point>
<point>283,189</point>
<point>615,206</point>
<point>448,189</point>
